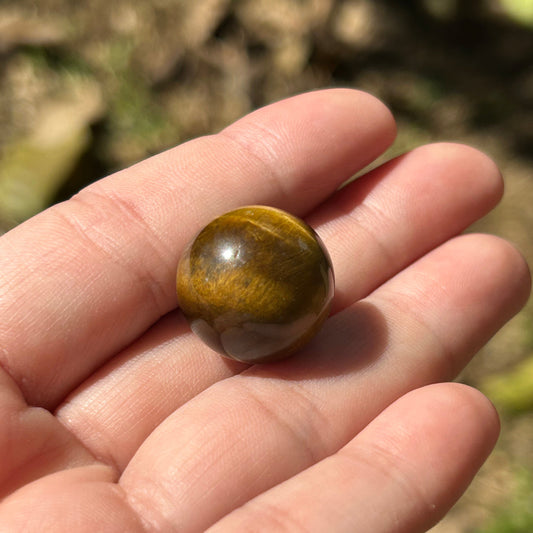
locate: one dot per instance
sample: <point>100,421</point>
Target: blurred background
<point>92,86</point>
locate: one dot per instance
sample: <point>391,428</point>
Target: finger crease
<point>405,305</point>
<point>387,464</point>
<point>257,151</point>
<point>308,430</point>
<point>104,244</point>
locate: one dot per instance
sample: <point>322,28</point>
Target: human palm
<point>114,417</point>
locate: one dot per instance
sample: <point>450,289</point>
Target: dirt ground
<point>92,86</point>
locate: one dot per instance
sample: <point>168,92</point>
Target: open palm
<point>114,417</point>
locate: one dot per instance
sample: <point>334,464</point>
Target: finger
<point>88,276</point>
<point>114,411</point>
<point>83,500</point>
<point>250,432</point>
<point>33,443</point>
<point>401,474</point>
<point>403,209</point>
<point>426,196</point>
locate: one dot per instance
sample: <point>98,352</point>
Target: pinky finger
<point>401,474</point>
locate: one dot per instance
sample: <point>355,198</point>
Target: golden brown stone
<point>255,284</point>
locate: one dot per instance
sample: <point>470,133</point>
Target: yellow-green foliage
<point>513,390</point>
<point>520,10</point>
<point>31,173</point>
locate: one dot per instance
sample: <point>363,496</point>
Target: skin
<point>114,417</point>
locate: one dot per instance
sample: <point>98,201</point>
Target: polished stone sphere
<point>255,284</point>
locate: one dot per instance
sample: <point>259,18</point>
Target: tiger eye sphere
<point>255,284</point>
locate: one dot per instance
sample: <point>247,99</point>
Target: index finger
<point>85,278</point>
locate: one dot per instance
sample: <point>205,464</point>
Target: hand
<point>114,417</point>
